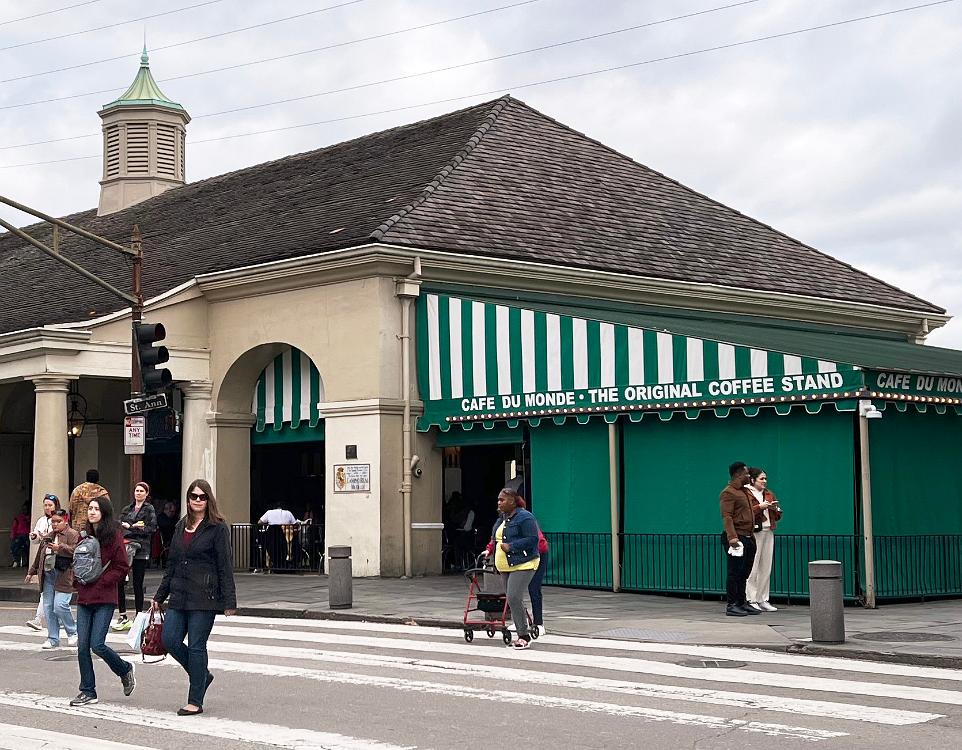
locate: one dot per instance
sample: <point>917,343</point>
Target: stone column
<point>49,441</point>
<point>230,437</point>
<point>196,453</point>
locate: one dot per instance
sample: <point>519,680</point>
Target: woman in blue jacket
<point>516,557</point>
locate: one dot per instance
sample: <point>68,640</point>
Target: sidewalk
<point>919,633</point>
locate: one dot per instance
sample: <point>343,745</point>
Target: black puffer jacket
<point>200,575</point>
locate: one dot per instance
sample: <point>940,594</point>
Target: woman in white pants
<point>767,514</point>
<point>42,529</point>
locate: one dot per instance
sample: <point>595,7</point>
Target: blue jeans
<point>93,620</point>
<point>19,547</point>
<point>534,591</point>
<point>194,625</point>
<point>56,608</point>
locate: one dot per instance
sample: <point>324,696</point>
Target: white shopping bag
<point>137,630</point>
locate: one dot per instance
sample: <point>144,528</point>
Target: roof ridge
<point>385,227</point>
<point>717,202</point>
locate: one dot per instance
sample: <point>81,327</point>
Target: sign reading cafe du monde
<point>706,390</point>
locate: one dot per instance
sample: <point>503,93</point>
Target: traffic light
<point>147,334</point>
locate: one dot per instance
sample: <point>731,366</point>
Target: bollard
<point>340,586</point>
<point>825,601</point>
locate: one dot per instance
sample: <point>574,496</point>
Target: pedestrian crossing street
<point>779,696</point>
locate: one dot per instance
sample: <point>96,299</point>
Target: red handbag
<point>152,641</point>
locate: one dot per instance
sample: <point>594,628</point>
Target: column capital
<point>199,390</point>
<point>51,383</point>
<point>230,419</point>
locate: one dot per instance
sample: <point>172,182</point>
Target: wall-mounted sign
<point>352,477</point>
<point>948,386</point>
<point>135,434</point>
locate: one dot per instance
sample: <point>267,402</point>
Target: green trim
<point>500,435</point>
<point>288,434</point>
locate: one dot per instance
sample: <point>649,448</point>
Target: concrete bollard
<point>340,584</point>
<point>825,601</point>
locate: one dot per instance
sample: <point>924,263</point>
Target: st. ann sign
<point>140,404</point>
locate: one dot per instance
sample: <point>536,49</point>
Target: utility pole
<point>136,316</point>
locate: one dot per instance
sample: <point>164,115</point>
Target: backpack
<point>87,566</point>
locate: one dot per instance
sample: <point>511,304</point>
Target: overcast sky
<point>847,138</point>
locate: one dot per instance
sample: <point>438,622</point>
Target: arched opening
<point>282,455</point>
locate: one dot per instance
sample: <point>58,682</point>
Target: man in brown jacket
<point>82,495</point>
<point>738,520</point>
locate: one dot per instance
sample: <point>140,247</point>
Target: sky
<point>848,138</point>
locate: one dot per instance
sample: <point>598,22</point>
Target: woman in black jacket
<point>200,583</point>
<point>139,522</point>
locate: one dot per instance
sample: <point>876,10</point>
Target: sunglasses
<point>201,496</point>
<point>50,497</point>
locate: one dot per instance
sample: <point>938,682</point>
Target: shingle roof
<point>497,179</point>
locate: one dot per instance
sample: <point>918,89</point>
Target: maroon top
<point>104,589</point>
<point>188,537</point>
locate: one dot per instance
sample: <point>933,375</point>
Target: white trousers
<point>759,581</point>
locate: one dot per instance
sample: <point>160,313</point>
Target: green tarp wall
<point>917,497</point>
<point>569,473</point>
<point>674,472</point>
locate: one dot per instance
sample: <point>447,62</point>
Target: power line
<point>49,12</point>
<point>411,76</point>
<point>336,45</point>
<point>184,43</point>
<point>110,25</point>
<point>532,84</point>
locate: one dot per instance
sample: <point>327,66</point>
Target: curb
<point>21,594</point>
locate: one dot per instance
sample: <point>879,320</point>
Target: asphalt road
<point>339,685</point>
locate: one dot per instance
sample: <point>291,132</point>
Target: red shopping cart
<point>488,603</point>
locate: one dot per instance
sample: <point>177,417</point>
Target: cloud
<point>845,138</point>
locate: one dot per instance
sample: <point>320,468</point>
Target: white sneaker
<point>72,640</point>
<point>766,607</point>
<point>49,644</point>
<point>542,631</point>
<point>35,623</point>
<point>754,605</point>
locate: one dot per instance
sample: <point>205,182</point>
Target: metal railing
<point>909,567</point>
<point>582,560</point>
<point>278,548</point>
<point>906,567</point>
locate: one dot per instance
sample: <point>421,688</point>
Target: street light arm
<point>61,223</point>
<point>67,262</point>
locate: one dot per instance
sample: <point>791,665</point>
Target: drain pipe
<point>407,290</point>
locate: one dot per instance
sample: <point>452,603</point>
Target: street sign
<point>145,403</point>
<point>135,435</point>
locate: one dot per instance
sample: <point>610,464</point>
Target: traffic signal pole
<point>136,316</point>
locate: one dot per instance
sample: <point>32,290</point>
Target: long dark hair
<point>212,513</point>
<point>108,529</point>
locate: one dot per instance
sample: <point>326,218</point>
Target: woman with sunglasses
<point>200,583</point>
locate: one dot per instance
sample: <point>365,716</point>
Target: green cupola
<point>144,143</point>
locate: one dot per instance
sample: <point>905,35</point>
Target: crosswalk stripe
<point>616,663</point>
<point>747,701</point>
<point>13,737</point>
<point>272,735</point>
<point>530,699</point>
<point>710,652</point>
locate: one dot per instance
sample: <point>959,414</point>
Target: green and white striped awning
<point>288,392</point>
<point>482,361</point>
